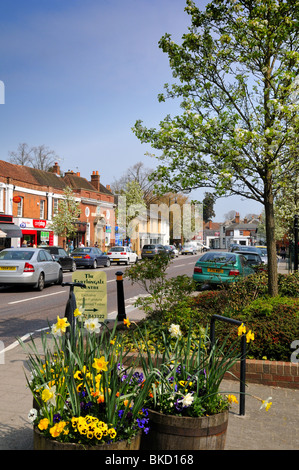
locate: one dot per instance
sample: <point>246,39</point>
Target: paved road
<point>23,311</point>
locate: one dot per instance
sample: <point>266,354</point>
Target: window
<point>55,206</point>
<point>1,200</point>
<point>20,208</point>
<point>42,209</point>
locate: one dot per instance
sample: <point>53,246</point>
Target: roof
<point>242,226</point>
<point>78,182</point>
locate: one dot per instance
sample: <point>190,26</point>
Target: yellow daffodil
<point>232,399</point>
<point>249,336</point>
<point>127,322</point>
<point>241,329</point>
<point>266,404</point>
<point>100,364</point>
<point>59,328</point>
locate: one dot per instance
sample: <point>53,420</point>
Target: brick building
<point>29,198</point>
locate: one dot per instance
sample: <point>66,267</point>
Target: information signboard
<point>94,297</point>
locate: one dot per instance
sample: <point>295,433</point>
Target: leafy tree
<point>208,207</point>
<point>236,72</point>
<point>63,222</point>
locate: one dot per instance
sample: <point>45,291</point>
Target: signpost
<point>94,297</point>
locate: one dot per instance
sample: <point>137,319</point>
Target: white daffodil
<point>175,330</point>
<point>92,325</point>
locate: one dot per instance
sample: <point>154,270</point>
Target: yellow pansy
<point>43,424</point>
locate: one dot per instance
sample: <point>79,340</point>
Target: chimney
<point>108,187</point>
<point>56,169</point>
<point>210,225</point>
<point>237,218</point>
<point>78,173</point>
<point>95,180</point>
<point>245,220</point>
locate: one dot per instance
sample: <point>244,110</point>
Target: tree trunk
<point>270,235</point>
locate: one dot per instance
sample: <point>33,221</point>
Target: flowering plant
<point>188,373</point>
<point>82,389</point>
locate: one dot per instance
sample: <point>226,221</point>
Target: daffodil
<point>249,336</point>
<point>175,331</point>
<point>241,329</point>
<point>266,404</point>
<point>48,395</point>
<point>59,328</point>
<point>127,322</point>
<point>100,364</point>
<point>92,325</point>
<point>232,399</point>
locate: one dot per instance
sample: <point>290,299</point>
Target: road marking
<point>36,298</point>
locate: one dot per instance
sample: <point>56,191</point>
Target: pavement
<point>276,429</point>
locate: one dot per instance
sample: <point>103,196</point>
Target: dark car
<point>59,254</point>
<point>91,257</point>
<point>153,249</point>
<point>169,251</point>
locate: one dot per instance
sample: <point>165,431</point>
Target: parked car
<point>169,251</point>
<point>151,250</point>
<point>201,247</point>
<point>253,249</point>
<point>29,267</point>
<point>253,259</point>
<point>214,268</point>
<point>59,254</point>
<point>189,249</point>
<point>264,253</point>
<point>91,257</point>
<point>175,250</point>
<point>122,254</point>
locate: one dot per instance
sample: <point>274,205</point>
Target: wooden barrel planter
<point>41,442</point>
<point>168,432</point>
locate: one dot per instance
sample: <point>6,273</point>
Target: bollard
<point>121,312</point>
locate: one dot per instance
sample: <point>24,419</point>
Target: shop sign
<point>39,223</point>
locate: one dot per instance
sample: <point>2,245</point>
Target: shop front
<point>9,232</point>
<point>35,232</point>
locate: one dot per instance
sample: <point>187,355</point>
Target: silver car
<point>28,266</point>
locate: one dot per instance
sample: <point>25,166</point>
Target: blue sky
<point>77,75</point>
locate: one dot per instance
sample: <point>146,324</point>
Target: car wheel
<point>95,264</point>
<point>74,267</point>
<point>108,263</point>
<point>60,278</point>
<point>41,282</point>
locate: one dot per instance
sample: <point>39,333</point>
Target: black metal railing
<point>243,355</point>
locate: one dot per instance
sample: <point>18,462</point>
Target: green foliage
<point>63,222</point>
<point>163,294</point>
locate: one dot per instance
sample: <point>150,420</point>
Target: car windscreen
<point>16,255</point>
<point>117,248</point>
<point>218,258</point>
<point>149,247</point>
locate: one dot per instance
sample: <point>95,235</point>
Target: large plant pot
<point>40,442</point>
<point>168,432</point>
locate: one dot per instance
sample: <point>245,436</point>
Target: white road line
<point>36,298</point>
